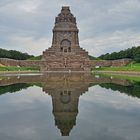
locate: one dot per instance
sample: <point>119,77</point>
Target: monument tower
<point>65,53</point>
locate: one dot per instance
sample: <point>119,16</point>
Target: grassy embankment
<point>131,78</point>
<point>14,68</point>
<point>130,67</point>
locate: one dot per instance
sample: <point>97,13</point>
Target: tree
<point>137,58</point>
<point>133,53</point>
<point>12,54</point>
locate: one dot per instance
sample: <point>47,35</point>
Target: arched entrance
<point>65,46</point>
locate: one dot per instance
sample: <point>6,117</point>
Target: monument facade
<point>65,53</point>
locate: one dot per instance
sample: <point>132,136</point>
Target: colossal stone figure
<point>65,53</point>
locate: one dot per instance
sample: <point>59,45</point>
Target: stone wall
<point>109,63</point>
<point>40,63</point>
<point>121,62</point>
<point>21,63</point>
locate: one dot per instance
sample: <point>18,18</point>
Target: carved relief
<point>64,35</point>
<point>65,16</point>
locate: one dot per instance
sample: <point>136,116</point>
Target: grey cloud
<point>95,18</point>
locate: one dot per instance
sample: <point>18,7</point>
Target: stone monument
<point>65,53</point>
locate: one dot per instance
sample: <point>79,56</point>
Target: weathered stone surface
<point>58,63</point>
<point>108,63</point>
<point>65,53</point>
<point>22,63</point>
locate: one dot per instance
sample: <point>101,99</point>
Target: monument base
<point>66,63</point>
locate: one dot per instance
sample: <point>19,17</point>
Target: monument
<point>65,53</point>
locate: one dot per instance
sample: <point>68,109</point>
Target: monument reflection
<point>65,90</point>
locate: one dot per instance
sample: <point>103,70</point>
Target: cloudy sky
<point>105,25</point>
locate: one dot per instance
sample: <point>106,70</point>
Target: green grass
<point>131,78</point>
<point>14,68</point>
<point>130,67</point>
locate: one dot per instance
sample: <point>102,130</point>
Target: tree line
<point>12,54</point>
<point>132,53</point>
<point>131,90</point>
<point>13,88</point>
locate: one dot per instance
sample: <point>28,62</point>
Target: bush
<point>137,58</point>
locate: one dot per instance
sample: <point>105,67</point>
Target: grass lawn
<point>132,78</point>
<point>14,68</point>
<point>130,67</point>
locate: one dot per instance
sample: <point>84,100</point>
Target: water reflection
<point>68,82</point>
<point>65,90</point>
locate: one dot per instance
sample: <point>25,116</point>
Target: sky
<point>104,26</point>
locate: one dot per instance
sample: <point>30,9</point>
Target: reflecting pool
<point>71,106</point>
